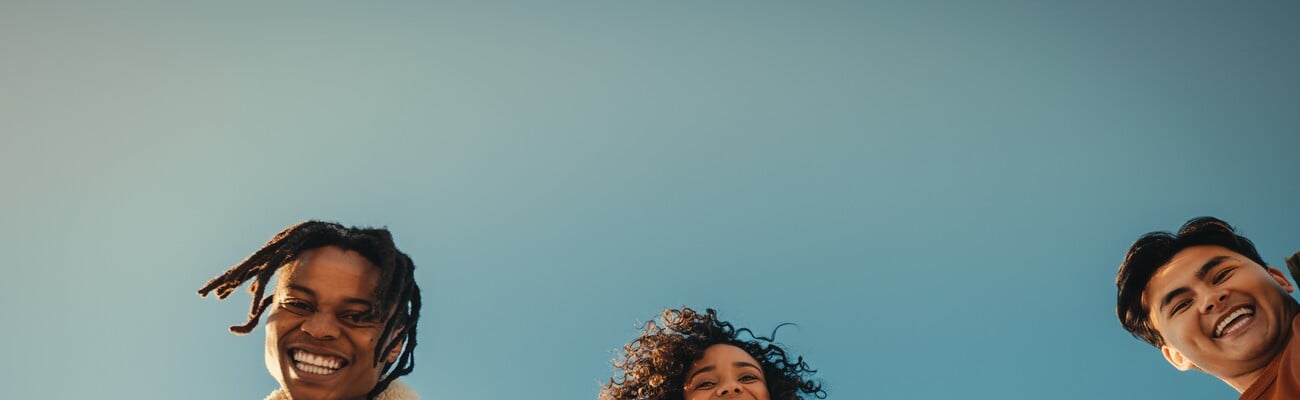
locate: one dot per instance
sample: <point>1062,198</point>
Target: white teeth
<point>323,362</point>
<point>314,369</point>
<point>1218,330</point>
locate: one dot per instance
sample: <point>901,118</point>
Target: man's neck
<point>1243,381</point>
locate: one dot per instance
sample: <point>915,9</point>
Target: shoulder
<point>278,394</point>
<point>398,391</point>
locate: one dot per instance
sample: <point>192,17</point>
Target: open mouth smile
<point>316,364</point>
<point>1234,321</point>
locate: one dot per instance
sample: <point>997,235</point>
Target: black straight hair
<point>1154,250</point>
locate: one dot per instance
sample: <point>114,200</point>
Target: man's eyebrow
<point>700,371</point>
<point>1209,265</point>
<point>1172,295</point>
<point>312,293</point>
<point>301,288</point>
<point>1200,275</point>
<point>364,302</point>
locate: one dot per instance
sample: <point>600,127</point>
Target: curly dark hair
<point>655,364</point>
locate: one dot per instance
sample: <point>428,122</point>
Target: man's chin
<point>1257,344</point>
<point>320,389</point>
<point>299,391</point>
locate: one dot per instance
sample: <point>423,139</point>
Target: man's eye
<point>296,305</point>
<point>1223,275</point>
<point>1180,306</point>
<point>357,318</point>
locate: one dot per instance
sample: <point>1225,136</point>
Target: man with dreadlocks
<point>343,314</point>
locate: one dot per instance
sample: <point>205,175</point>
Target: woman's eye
<point>748,378</point>
<point>297,305</point>
<point>704,385</point>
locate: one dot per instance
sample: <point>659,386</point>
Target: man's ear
<point>1176,358</point>
<point>397,350</point>
<point>1281,279</point>
<point>392,354</point>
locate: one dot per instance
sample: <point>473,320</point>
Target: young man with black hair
<point>1208,301</point>
<point>343,314</point>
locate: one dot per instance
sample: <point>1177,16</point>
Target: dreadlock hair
<point>655,364</point>
<point>397,289</point>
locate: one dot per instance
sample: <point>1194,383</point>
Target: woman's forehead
<point>723,354</point>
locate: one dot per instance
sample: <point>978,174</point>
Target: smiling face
<point>725,372</point>
<point>322,332</point>
<point>1220,312</point>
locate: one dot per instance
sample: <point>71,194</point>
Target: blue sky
<point>937,193</point>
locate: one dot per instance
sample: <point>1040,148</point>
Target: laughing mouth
<point>319,364</point>
<point>1234,321</point>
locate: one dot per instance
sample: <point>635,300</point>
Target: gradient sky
<point>937,192</point>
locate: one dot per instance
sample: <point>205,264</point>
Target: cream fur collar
<point>396,391</point>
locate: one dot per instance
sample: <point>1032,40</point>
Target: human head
<point>656,364</point>
<point>1152,251</point>
<point>1176,290</point>
<point>343,292</point>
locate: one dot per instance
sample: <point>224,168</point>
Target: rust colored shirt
<point>1281,378</point>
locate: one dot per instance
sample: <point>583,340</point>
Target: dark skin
<point>395,289</point>
<point>725,372</point>
<point>324,314</point>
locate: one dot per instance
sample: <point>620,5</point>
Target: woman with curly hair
<point>692,356</point>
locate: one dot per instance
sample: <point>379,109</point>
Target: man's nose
<point>1214,301</point>
<point>321,326</point>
